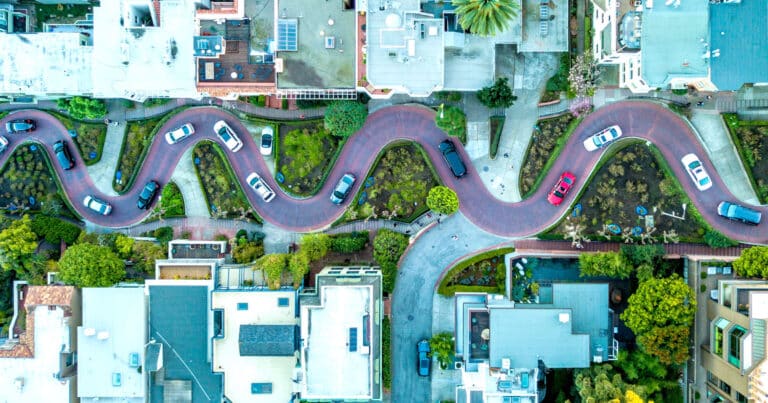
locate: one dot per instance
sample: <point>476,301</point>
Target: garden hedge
<point>54,229</point>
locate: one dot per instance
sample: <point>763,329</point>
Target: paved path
<point>103,172</point>
<point>185,177</point>
<point>638,120</point>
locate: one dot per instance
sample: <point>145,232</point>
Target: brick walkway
<point>538,246</point>
<point>375,225</point>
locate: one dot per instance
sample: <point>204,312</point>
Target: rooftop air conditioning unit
<point>89,331</point>
<point>506,363</point>
<point>564,317</point>
<point>597,359</point>
<point>102,335</point>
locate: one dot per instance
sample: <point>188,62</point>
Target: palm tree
<point>486,17</point>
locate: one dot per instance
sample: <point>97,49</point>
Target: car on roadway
<point>260,187</point>
<point>736,212</point>
<point>3,144</point>
<point>97,205</point>
<point>61,151</point>
<point>147,195</point>
<point>267,137</point>
<point>563,185</point>
<point>423,357</point>
<point>228,136</point>
<point>180,133</point>
<point>20,126</point>
<point>696,171</point>
<point>452,158</point>
<point>602,138</point>
<point>342,189</point>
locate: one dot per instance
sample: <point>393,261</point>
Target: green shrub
<point>83,108</point>
<point>703,275</point>
<point>163,234</point>
<point>559,82</point>
<point>261,101</point>
<point>55,230</point>
<point>703,288</point>
<point>452,121</point>
<point>349,243</point>
<point>386,354</point>
<point>247,252</point>
<point>344,118</point>
<point>445,290</point>
<point>311,103</point>
<point>497,125</point>
<point>171,201</point>
<point>717,240</point>
<point>284,103</point>
<point>388,246</point>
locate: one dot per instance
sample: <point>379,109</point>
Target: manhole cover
<point>410,317</point>
<point>485,169</point>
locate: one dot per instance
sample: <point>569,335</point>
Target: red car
<point>561,189</point>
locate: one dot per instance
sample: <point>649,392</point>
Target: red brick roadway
<point>638,119</point>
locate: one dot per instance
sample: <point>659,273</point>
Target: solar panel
<point>287,35</point>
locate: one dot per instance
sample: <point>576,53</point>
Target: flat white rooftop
<point>111,341</point>
<point>35,375</point>
<point>332,370</point>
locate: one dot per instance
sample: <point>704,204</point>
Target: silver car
<point>228,136</point>
<point>260,187</point>
<point>342,189</point>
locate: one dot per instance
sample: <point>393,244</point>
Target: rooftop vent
<point>506,363</point>
<point>564,317</point>
<point>89,331</point>
<point>102,335</point>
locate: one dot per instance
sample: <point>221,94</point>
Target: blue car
<point>423,357</point>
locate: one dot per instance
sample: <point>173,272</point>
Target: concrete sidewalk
<point>186,179</point>
<point>103,172</point>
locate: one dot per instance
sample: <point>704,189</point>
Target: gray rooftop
<point>267,340</point>
<point>673,42</point>
<point>111,341</point>
<point>740,32</point>
<point>178,318</point>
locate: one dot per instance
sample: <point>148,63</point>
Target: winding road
<point>638,119</point>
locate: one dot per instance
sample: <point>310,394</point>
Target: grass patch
<point>401,179</point>
<point>305,154</point>
<point>60,13</point>
<point>90,137</point>
<point>497,125</point>
<point>223,193</point>
<point>138,138</point>
<point>751,140</point>
<point>171,202</point>
<point>547,143</point>
<point>386,354</point>
<point>451,283</point>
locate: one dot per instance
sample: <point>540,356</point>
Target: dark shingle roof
<point>267,340</point>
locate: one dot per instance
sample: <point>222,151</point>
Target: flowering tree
<point>583,76</point>
<point>581,106</point>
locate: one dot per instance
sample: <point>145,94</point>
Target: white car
<point>267,137</point>
<point>696,171</point>
<point>3,143</point>
<point>228,136</point>
<point>97,205</point>
<point>602,138</point>
<point>176,135</point>
<point>260,187</point>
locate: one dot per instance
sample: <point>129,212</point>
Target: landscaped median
<point>305,153</point>
<point>485,272</point>
<point>88,137</point>
<point>750,136</point>
<point>549,139</point>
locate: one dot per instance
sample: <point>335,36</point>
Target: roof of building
<point>111,344</point>
<point>673,42</point>
<point>178,318</point>
<point>740,32</point>
<point>45,63</point>
<point>267,340</point>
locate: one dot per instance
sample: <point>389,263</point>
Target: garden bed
<point>751,139</point>
<point>549,137</point>
<point>497,125</point>
<point>397,187</point>
<point>485,272</point>
<point>222,191</point>
<point>634,176</point>
<point>305,154</point>
<point>171,202</point>
<point>138,137</point>
<point>89,139</point>
<point>27,180</point>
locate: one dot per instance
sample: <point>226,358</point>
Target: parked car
<point>97,205</point>
<point>228,136</point>
<point>603,137</point>
<point>563,185</point>
<point>61,150</point>
<point>147,195</point>
<point>3,144</point>
<point>267,136</point>
<point>20,126</point>
<point>260,187</point>
<point>452,158</point>
<point>737,212</point>
<point>696,171</point>
<point>342,189</point>
<point>180,133</point>
<point>423,357</point>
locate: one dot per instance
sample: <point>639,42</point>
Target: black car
<point>452,158</point>
<point>20,126</point>
<point>736,212</point>
<point>61,150</point>
<point>147,195</point>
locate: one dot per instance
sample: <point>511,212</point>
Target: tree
<point>583,76</point>
<point>499,95</point>
<point>441,345</point>
<point>670,344</point>
<point>89,265</point>
<point>273,266</point>
<point>17,246</point>
<point>55,230</point>
<point>315,245</point>
<point>611,264</point>
<point>247,252</point>
<point>388,246</point>
<point>145,253</point>
<point>486,17</point>
<point>83,108</point>
<point>443,200</point>
<point>660,302</point>
<point>643,254</point>
<point>753,262</point>
<point>452,121</point>
<point>344,118</point>
<point>599,383</point>
<point>298,265</point>
<point>124,246</point>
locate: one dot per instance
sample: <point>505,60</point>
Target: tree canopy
<point>486,17</point>
<point>298,265</point>
<point>17,246</point>
<point>273,266</point>
<point>89,265</point>
<point>344,118</point>
<point>83,108</point>
<point>660,302</point>
<point>441,345</point>
<point>670,344</point>
<point>443,200</point>
<point>453,121</point>
<point>499,95</point>
<point>315,245</point>
<point>611,264</point>
<point>753,262</point>
<point>388,246</point>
